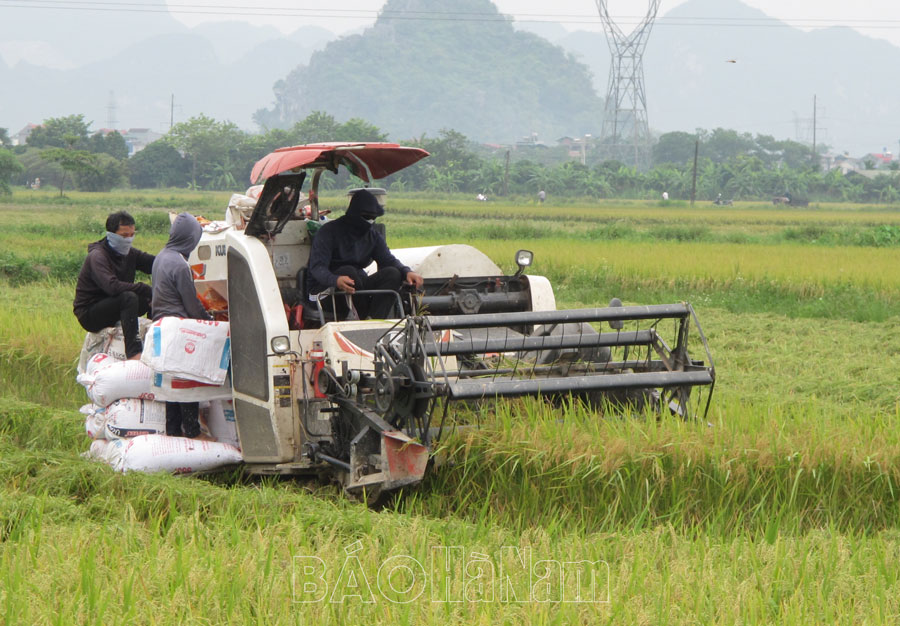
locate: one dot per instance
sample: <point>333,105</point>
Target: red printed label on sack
<point>188,331</point>
<point>190,347</point>
<point>183,383</point>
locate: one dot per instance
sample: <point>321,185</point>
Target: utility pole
<point>814,155</point>
<point>506,176</point>
<point>172,113</point>
<point>694,182</point>
<point>111,121</point>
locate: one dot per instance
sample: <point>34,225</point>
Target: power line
<point>495,15</point>
<point>454,16</point>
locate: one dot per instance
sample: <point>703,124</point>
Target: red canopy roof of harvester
<point>365,160</point>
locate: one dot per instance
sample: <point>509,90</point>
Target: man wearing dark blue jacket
<point>106,291</point>
<point>342,249</point>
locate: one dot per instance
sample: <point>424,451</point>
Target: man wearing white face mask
<point>106,292</point>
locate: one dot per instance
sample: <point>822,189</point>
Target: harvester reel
<point>638,362</point>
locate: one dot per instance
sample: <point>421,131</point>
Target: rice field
<point>782,508</point>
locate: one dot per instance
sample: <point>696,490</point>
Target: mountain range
<point>137,61</point>
<point>126,67</point>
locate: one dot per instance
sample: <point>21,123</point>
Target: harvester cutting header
<point>363,400</point>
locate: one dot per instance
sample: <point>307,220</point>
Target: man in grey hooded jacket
<point>174,295</point>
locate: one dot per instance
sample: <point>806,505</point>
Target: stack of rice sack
<point>183,361</point>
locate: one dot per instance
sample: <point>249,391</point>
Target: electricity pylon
<point>626,132</point>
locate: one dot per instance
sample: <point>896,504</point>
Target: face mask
<point>119,243</point>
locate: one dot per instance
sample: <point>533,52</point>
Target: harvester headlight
<point>524,259</point>
<point>280,344</point>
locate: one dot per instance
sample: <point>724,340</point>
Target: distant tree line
<point>64,153</point>
<point>204,153</point>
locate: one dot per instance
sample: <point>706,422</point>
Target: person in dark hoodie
<point>174,295</point>
<point>342,248</point>
<point>106,292</point>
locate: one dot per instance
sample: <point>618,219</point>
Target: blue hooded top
<point>349,240</point>
<point>174,293</point>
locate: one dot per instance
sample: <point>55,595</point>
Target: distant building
<point>21,137</point>
<point>576,148</point>
<point>869,166</point>
<point>530,142</point>
<point>139,138</point>
<point>572,145</point>
<point>843,162</point>
<point>879,159</point>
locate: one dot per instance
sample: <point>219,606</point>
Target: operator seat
<point>311,315</point>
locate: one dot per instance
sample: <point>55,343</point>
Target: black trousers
<point>377,306</point>
<point>183,419</point>
<point>126,307</point>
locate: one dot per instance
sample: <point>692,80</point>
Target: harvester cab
<point>362,401</point>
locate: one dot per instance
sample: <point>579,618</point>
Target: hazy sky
<point>876,18</point>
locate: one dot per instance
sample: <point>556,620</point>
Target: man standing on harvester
<point>174,295</point>
<point>106,292</point>
<point>342,249</point>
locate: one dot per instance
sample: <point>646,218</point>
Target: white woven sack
<point>130,417</point>
<point>110,341</point>
<point>193,349</point>
<point>99,360</point>
<point>121,379</point>
<point>160,453</point>
<point>98,449</point>
<point>167,388</point>
<point>90,409</point>
<point>220,422</point>
<point>94,421</point>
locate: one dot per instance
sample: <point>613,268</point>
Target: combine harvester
<point>363,401</point>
